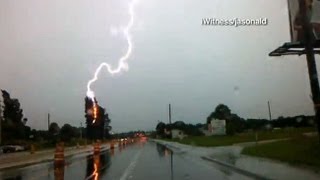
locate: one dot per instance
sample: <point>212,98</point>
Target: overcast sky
<point>50,49</point>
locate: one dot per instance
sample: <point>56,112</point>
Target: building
<point>217,127</point>
<point>177,134</point>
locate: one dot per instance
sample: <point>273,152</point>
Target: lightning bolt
<point>122,63</point>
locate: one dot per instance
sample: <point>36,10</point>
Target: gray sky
<point>50,49</point>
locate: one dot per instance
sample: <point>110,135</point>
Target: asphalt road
<point>142,161</point>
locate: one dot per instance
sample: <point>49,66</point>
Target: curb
<point>234,168</point>
<point>50,159</point>
<point>168,145</point>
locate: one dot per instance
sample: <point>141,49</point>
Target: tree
<point>54,129</point>
<point>192,130</point>
<point>100,123</point>
<point>234,124</point>
<point>221,112</point>
<point>178,125</point>
<point>13,126</point>
<point>12,112</point>
<point>238,123</point>
<point>107,127</point>
<point>25,120</point>
<point>97,127</point>
<point>160,128</point>
<point>89,116</point>
<point>67,132</point>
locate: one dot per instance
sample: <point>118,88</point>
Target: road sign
<point>296,18</point>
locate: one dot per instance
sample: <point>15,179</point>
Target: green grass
<point>243,137</point>
<point>299,150</point>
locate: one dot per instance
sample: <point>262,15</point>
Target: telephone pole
<point>80,130</point>
<point>169,113</point>
<point>170,121</point>
<point>48,121</point>
<point>270,118</point>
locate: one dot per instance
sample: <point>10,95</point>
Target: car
<point>20,148</point>
<point>12,148</point>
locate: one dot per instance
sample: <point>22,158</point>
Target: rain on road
<point>142,161</point>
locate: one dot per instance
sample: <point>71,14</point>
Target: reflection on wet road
<point>142,161</point>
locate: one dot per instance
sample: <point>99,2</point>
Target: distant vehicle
<point>143,138</point>
<point>12,148</point>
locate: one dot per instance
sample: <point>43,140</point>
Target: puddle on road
<point>165,152</point>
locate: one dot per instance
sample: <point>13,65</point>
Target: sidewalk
<point>231,158</point>
<point>20,159</point>
<point>245,144</point>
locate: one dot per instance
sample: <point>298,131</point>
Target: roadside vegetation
<point>300,150</point>
<point>210,141</point>
<point>295,147</point>
<point>236,129</point>
<point>15,130</point>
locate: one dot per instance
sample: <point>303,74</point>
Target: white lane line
<point>131,166</point>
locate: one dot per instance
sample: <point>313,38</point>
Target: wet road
<point>141,161</point>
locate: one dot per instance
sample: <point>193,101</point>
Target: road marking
<point>131,166</point>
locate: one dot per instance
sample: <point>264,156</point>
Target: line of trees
<point>15,130</point>
<point>66,133</point>
<point>234,123</point>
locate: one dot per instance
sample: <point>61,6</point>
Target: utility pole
<point>170,120</point>
<point>0,122</point>
<point>270,118</point>
<point>48,121</point>
<point>169,113</point>
<point>312,69</point>
<point>80,130</point>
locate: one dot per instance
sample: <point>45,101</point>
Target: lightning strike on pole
<point>122,63</point>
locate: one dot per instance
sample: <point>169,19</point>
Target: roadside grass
<point>209,141</point>
<point>297,151</point>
